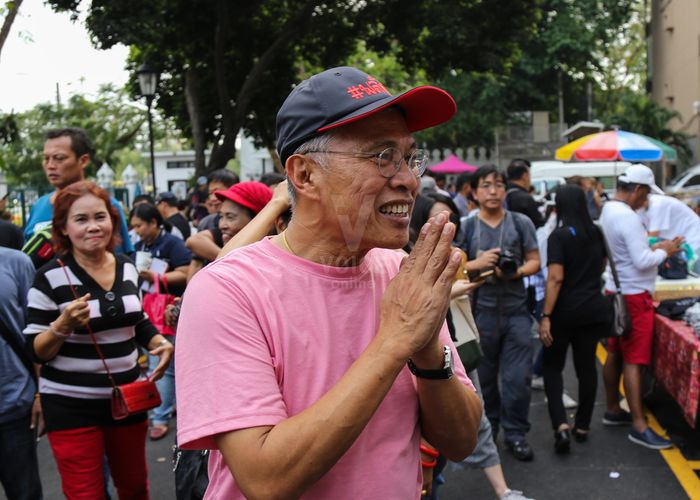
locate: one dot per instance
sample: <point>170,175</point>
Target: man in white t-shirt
<point>636,264</point>
<point>312,362</point>
<point>668,217</point>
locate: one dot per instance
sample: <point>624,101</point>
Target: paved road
<point>586,473</point>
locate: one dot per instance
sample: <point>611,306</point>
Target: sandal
<point>158,431</point>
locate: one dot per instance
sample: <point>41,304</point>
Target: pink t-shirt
<point>264,334</point>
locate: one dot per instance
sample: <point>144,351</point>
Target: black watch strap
<point>442,374</point>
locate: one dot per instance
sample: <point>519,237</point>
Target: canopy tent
<point>452,165</point>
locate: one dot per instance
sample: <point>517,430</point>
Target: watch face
<point>448,358</point>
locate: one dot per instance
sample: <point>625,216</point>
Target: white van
<point>546,175</point>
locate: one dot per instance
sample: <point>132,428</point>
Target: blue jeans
<point>19,472</point>
<point>166,387</point>
<point>505,340</point>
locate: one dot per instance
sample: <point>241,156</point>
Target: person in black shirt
<point>518,197</point>
<point>575,312</point>
<point>167,206</point>
<point>10,235</point>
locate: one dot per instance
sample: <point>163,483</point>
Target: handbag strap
<point>159,279</point>
<point>611,261</point>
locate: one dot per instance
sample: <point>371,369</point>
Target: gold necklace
<point>286,245</point>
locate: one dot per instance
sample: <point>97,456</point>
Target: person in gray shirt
<point>20,413</point>
<point>505,243</point>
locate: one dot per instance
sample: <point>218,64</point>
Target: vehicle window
<point>551,185</point>
<point>693,181</point>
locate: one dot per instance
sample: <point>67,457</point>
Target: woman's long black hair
<point>572,210</point>
<point>421,213</point>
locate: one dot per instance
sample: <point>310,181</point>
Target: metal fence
<point>21,199</point>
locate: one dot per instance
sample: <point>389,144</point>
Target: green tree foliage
<point>571,38</point>
<point>114,122</point>
<point>227,66</point>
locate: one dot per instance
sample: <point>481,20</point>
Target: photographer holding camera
<point>502,248</point>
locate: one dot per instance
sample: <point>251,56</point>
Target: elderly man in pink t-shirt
<point>313,362</point>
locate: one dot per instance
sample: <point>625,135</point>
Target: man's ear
<point>304,174</point>
<point>84,161</point>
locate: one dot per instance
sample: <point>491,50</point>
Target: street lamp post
<point>148,80</point>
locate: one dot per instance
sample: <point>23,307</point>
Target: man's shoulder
<point>522,220</point>
<point>15,257</point>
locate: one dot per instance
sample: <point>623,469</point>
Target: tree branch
<point>233,121</point>
<point>13,7</point>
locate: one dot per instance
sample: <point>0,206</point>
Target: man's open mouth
<point>394,209</point>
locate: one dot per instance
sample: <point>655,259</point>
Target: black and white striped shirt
<point>75,380</point>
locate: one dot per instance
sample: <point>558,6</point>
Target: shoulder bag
<point>127,399</point>
<point>621,320</point>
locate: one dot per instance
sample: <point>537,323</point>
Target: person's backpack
<point>39,247</point>
<point>674,267</point>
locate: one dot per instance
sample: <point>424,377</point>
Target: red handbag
<point>154,305</point>
<point>127,399</point>
<point>136,397</point>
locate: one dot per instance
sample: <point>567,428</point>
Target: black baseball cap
<point>166,196</point>
<point>339,96</point>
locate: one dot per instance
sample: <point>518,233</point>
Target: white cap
<point>641,174</point>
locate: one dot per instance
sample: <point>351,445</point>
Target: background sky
<point>45,48</point>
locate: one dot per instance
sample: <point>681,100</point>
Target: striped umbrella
<point>616,145</point>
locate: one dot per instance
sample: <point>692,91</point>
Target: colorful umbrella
<point>452,165</point>
<point>615,145</point>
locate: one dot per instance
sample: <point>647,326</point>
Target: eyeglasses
<point>389,161</point>
<point>487,186</point>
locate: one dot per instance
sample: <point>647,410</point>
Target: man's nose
<point>405,177</point>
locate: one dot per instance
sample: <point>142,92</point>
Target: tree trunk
<point>12,7</point>
<point>233,117</point>
<point>193,110</point>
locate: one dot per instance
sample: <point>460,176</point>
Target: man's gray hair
<point>317,145</point>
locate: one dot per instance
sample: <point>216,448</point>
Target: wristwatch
<point>442,374</point>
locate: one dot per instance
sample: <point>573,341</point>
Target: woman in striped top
<point>74,386</point>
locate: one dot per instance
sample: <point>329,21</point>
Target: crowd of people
<point>303,328</point>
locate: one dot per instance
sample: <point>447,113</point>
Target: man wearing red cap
<point>313,362</point>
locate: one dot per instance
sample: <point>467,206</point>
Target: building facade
<point>673,45</point>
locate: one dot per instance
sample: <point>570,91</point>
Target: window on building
<point>180,164</point>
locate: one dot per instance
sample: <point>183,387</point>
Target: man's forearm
<point>203,246</point>
<point>450,414</point>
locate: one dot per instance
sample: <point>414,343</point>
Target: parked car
<point>548,172</point>
<point>686,185</point>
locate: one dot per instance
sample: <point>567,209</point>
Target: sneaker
<point>623,418</point>
<point>537,383</point>
<point>521,450</point>
<point>569,402</point>
<point>649,439</point>
<point>514,495</point>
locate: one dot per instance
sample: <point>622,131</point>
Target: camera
<point>507,263</point>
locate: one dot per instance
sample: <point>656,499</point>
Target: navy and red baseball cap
<point>339,96</point>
